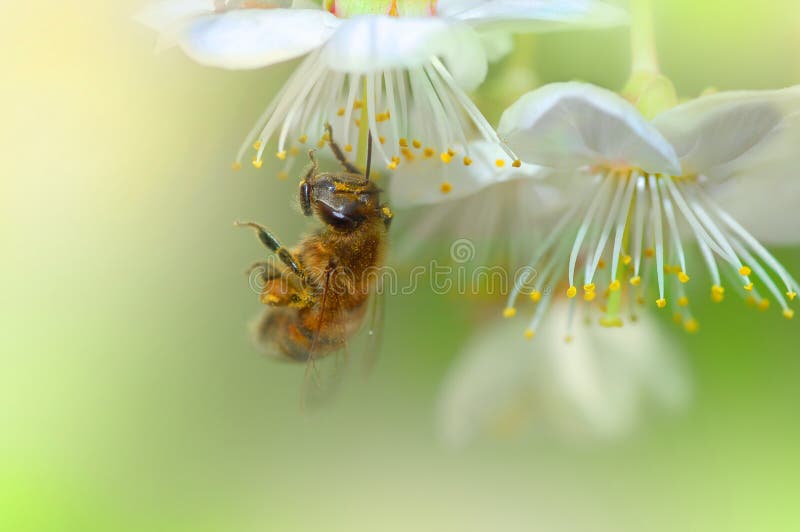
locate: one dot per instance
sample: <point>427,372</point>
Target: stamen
<point>659,237</point>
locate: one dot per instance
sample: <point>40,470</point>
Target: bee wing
<point>374,331</point>
<point>324,370</point>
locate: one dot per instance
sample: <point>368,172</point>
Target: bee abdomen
<point>280,333</point>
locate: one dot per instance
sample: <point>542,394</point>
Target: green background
<point>131,399</point>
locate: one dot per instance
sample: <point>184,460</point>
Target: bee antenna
<point>369,154</point>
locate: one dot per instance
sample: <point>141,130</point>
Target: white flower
<point>647,188</point>
<point>400,66</point>
<point>592,388</point>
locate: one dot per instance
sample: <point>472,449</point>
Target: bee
<point>318,291</point>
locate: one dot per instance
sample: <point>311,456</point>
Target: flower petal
<point>592,388</point>
<point>420,182</point>
<point>376,43</point>
<point>714,134</point>
<point>161,16</point>
<point>571,125</point>
<point>254,38</point>
<point>534,15</point>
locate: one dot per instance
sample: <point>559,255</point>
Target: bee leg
<point>339,154</point>
<point>271,242</point>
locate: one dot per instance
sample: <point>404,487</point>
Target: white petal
<point>419,182</point>
<point>592,388</point>
<point>375,43</point>
<point>571,125</point>
<point>534,15</point>
<point>254,38</point>
<point>713,135</point>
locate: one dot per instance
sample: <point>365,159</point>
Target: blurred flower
<point>645,188</point>
<point>395,68</point>
<point>593,388</point>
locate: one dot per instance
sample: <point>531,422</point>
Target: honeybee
<point>318,291</point>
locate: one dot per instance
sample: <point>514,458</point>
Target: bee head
<point>343,201</point>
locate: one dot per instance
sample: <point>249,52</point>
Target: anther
<point>691,326</point>
<point>281,155</point>
<point>257,163</point>
<point>589,287</point>
<point>446,187</point>
<point>744,271</point>
<point>615,285</point>
<point>683,278</point>
<point>467,161</point>
<point>791,295</point>
<point>626,260</point>
<point>283,175</point>
<point>446,157</point>
<point>428,152</point>
<point>500,163</point>
<point>236,166</point>
<point>517,163</point>
<point>717,293</point>
<point>340,112</point>
<point>572,292</point>
<point>403,143</point>
<point>417,144</point>
<point>536,296</point>
<point>649,253</point>
<point>635,281</point>
<point>683,301</point>
<point>257,145</point>
<point>382,139</point>
<point>302,139</point>
<point>509,312</point>
<point>788,313</point>
<point>763,305</point>
<point>529,334</point>
<point>348,147</point>
<point>749,287</point>
<point>661,303</point>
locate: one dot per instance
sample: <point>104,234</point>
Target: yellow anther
<point>303,139</point>
<point>428,152</point>
<point>281,155</point>
<point>357,122</point>
<point>517,163</point>
<point>641,300</point>
<point>417,144</point>
<point>682,277</point>
<point>271,298</point>
<point>258,163</point>
<point>408,154</point>
<point>529,334</point>
<point>381,117</point>
<point>467,161</point>
<point>446,187</point>
<point>661,303</point>
<point>683,301</point>
<point>451,152</point>
<point>446,157</point>
<point>348,147</point>
<point>340,112</point>
<point>536,296</point>
<point>500,163</point>
<point>601,264</point>
<point>717,293</point>
<point>691,326</point>
<point>572,292</point>
<point>791,295</point>
<point>589,287</point>
<point>626,259</point>
<point>257,145</point>
<point>509,312</point>
<point>744,271</point>
<point>404,143</point>
<point>321,144</point>
<point>788,313</point>
<point>749,287</point>
<point>236,166</point>
<point>590,296</point>
<point>326,137</point>
<point>568,339</point>
<point>649,253</point>
<point>294,150</point>
<point>677,318</point>
<point>382,139</point>
<point>751,301</point>
<point>615,285</point>
<point>283,175</point>
<point>392,165</point>
<point>636,281</point>
<point>611,322</point>
<point>358,104</point>
<point>763,305</point>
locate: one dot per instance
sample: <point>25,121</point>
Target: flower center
<point>629,228</point>
<point>394,8</point>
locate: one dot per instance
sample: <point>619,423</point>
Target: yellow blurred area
<point>131,399</point>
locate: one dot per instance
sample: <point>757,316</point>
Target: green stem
<point>644,57</point>
<point>363,129</point>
